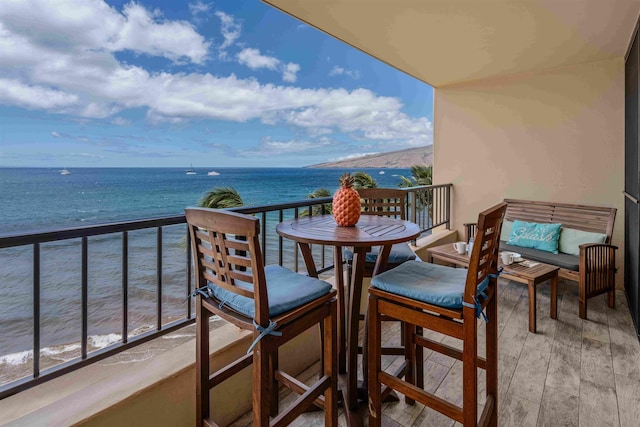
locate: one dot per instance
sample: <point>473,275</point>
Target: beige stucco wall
<point>556,135</point>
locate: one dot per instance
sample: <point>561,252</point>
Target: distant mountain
<point>392,159</point>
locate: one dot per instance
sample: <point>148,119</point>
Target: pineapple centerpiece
<point>346,203</point>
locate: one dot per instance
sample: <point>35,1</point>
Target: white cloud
<point>199,7</point>
<point>253,59</point>
<point>66,64</point>
<point>270,147</point>
<point>120,121</point>
<point>55,134</point>
<point>230,29</point>
<point>351,156</point>
<point>84,26</point>
<point>339,71</point>
<point>16,93</point>
<point>142,33</point>
<point>290,73</point>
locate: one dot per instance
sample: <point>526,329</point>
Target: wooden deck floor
<point>573,372</point>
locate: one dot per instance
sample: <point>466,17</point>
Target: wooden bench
<point>595,269</point>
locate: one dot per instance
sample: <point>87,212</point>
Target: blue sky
<point>91,83</point>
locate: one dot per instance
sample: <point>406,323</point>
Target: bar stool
<point>275,303</point>
<point>392,203</point>
<point>445,300</point>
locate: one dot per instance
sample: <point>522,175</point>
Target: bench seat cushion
<point>430,283</point>
<point>286,290</point>
<point>566,261</point>
<point>400,252</point>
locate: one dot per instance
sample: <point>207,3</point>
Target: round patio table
<point>371,230</point>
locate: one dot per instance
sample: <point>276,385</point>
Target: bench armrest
<point>597,257</point>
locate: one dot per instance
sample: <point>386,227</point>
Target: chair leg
<point>331,366</point>
<point>261,384</point>
<point>374,355</point>
<point>582,311</point>
<point>202,362</point>
<point>274,395</point>
<point>322,344</point>
<point>611,298</point>
<point>469,369</point>
<point>492,358</point>
<point>419,361</point>
<point>410,356</point>
<point>582,298</point>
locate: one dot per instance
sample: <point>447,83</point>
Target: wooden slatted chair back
<point>226,250</point>
<point>595,219</point>
<point>484,255</point>
<point>391,202</point>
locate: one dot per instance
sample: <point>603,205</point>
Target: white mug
<point>507,258</point>
<point>460,247</point>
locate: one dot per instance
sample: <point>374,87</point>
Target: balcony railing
<point>429,207</point>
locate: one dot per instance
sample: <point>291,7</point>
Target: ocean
<point>35,199</point>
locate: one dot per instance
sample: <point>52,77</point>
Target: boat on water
<point>381,172</point>
<point>190,171</point>
<point>65,172</point>
<point>213,173</point>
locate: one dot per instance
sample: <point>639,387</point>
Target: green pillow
<point>506,230</point>
<point>543,237</point>
<point>571,239</point>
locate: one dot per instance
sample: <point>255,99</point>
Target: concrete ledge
<point>159,391</point>
<point>435,239</point>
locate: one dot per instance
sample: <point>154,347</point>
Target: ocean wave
<point>100,341</point>
<point>61,352</point>
<point>18,358</point>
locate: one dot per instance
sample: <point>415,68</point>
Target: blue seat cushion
<point>430,283</point>
<point>566,261</point>
<point>400,252</point>
<point>286,290</point>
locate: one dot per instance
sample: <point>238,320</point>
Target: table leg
<point>554,297</point>
<point>381,261</point>
<point>532,306</point>
<point>359,258</point>
<point>307,256</point>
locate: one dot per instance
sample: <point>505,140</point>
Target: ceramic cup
<point>507,258</point>
<point>460,247</point>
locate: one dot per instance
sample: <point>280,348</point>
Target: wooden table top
<point>447,251</point>
<point>371,230</point>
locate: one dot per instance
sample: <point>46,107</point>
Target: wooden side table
<point>371,230</point>
<point>530,276</point>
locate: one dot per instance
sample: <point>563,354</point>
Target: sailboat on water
<point>190,171</point>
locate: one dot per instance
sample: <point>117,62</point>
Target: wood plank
<point>598,405</point>
<point>597,363</point>
<point>628,394</point>
<point>563,374</point>
<point>558,409</point>
<point>530,374</point>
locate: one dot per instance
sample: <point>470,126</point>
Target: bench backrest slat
<point>596,219</point>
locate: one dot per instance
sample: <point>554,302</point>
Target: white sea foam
<point>61,352</point>
<point>59,349</point>
<point>18,358</point>
<point>100,341</point>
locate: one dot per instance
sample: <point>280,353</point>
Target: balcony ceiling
<point>445,42</point>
